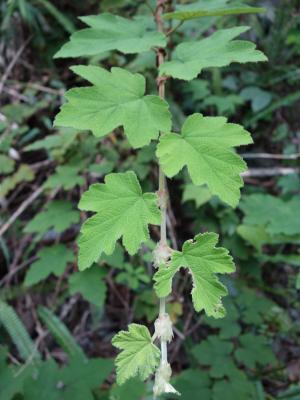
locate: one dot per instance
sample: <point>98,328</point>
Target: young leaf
<point>139,356</point>
<point>116,98</point>
<point>122,210</point>
<point>110,32</point>
<point>211,8</point>
<point>205,147</point>
<point>58,215</point>
<point>218,50</point>
<point>204,261</point>
<point>52,260</point>
<point>89,284</point>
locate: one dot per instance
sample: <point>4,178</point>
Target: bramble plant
<point>205,146</point>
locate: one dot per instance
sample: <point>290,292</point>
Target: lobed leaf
<point>217,50</point>
<point>52,260</point>
<point>75,381</point>
<point>211,8</point>
<point>110,32</point>
<point>205,147</point>
<point>204,261</point>
<point>58,215</point>
<point>121,210</point>
<point>215,353</point>
<point>254,350</point>
<point>139,356</point>
<point>90,285</point>
<point>276,215</point>
<point>115,99</point>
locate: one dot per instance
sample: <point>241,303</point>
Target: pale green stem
<point>162,180</point>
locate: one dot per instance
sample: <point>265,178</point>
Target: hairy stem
<point>162,190</point>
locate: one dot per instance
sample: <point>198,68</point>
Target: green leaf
<point>131,390</point>
<point>254,308</point>
<point>52,260</point>
<point>61,18</point>
<point>255,235</point>
<point>139,356</point>
<point>56,144</point>
<point>229,326</point>
<point>218,50</point>
<point>122,210</point>
<point>58,215</point>
<point>205,147</point>
<point>7,164</point>
<point>298,281</point>
<point>11,378</point>
<point>61,333</point>
<point>200,194</point>
<point>237,387</point>
<point>192,381</point>
<point>211,8</point>
<point>18,333</point>
<point>215,353</point>
<point>290,259</point>
<point>110,32</point>
<point>90,285</point>
<point>23,174</point>
<point>65,176</point>
<point>254,350</point>
<point>204,261</point>
<point>73,382</point>
<point>259,98</point>
<point>225,105</point>
<point>116,98</point>
<point>278,216</point>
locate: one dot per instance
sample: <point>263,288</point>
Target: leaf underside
<point>138,356</point>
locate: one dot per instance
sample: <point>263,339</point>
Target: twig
<point>175,28</point>
<point>271,156</point>
<point>13,63</point>
<point>261,172</point>
<point>22,208</point>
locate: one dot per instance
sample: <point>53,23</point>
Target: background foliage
<point>55,328</point>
